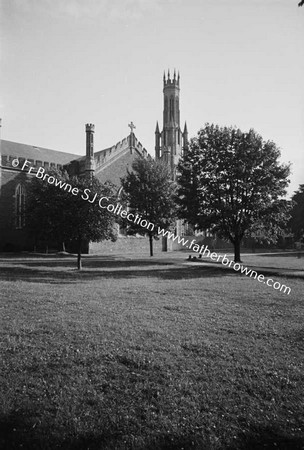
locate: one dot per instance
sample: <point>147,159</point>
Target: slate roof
<point>9,148</point>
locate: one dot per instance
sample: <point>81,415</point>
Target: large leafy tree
<point>232,183</point>
<point>297,214</point>
<point>54,213</point>
<point>45,215</point>
<point>149,193</point>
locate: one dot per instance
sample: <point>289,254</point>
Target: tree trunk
<point>79,265</point>
<point>63,246</point>
<point>237,250</point>
<point>151,244</point>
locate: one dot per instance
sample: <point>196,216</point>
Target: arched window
<point>20,206</point>
<point>171,107</point>
<point>166,113</point>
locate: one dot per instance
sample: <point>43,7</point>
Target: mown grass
<point>142,354</point>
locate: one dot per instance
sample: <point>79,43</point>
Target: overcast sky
<point>65,63</point>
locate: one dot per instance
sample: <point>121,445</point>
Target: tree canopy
<point>62,214</point>
<point>297,214</point>
<point>45,215</point>
<point>231,183</point>
<point>149,192</point>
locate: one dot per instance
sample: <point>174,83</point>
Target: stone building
<point>109,164</point>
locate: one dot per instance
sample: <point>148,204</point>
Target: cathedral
<point>109,164</point>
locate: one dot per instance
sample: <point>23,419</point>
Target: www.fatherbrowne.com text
<point>104,203</point>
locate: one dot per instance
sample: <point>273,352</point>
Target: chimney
<point>90,162</point>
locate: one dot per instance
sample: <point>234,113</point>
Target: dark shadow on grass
<point>95,263</point>
<point>269,438</point>
<point>23,429</point>
<point>18,430</point>
<point>65,272</point>
<point>158,270</point>
<point>261,270</point>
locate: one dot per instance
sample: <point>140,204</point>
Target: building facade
<point>110,164</point>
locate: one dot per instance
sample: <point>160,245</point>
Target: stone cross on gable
<point>132,126</point>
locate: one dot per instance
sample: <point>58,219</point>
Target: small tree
<point>87,221</point>
<point>232,183</point>
<point>297,213</point>
<point>149,193</point>
<point>55,212</point>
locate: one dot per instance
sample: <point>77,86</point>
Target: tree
<point>149,193</point>
<point>45,215</point>
<point>297,214</point>
<point>232,184</point>
<point>70,211</point>
<point>88,220</point>
<point>301,3</point>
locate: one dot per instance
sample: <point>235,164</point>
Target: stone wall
<point>124,245</point>
<point>11,239</point>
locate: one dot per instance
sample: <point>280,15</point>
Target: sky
<point>65,63</point>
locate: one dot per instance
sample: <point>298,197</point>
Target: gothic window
<point>166,109</point>
<point>171,107</point>
<point>20,206</point>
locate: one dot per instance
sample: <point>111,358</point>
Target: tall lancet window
<point>20,206</point>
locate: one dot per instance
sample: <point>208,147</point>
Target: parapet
<point>172,82</point>
<point>6,162</point>
<point>103,156</point>
<point>90,128</point>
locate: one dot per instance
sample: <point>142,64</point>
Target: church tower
<point>89,161</point>
<point>171,142</point>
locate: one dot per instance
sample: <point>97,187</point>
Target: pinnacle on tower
<point>157,128</point>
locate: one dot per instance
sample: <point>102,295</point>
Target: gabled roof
<point>103,157</point>
<point>15,149</point>
<point>110,154</point>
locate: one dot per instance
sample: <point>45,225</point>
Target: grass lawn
<point>148,354</point>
